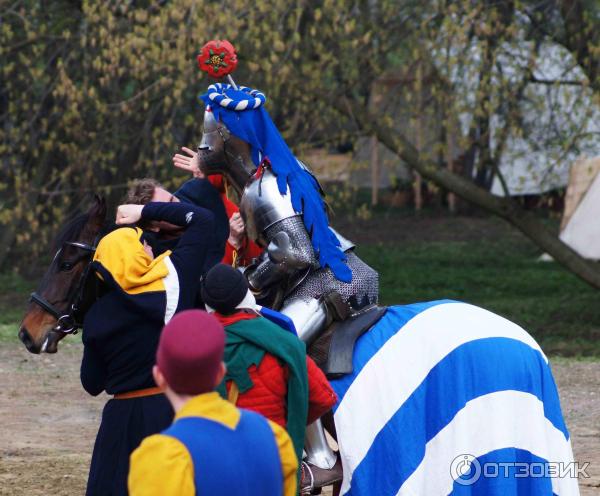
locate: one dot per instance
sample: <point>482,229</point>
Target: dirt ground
<point>48,423</point>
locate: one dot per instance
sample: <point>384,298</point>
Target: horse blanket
<point>449,398</point>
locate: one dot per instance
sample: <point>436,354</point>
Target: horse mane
<point>72,229</point>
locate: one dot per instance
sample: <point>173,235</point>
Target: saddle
<point>344,334</point>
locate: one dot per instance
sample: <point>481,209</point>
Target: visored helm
<point>220,152</point>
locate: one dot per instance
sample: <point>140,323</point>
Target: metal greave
<point>310,317</point>
<point>318,451</point>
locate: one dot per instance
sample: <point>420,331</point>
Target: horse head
<point>58,303</point>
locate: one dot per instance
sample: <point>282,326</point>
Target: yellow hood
<point>122,254</point>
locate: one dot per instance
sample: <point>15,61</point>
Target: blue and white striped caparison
<point>443,389</point>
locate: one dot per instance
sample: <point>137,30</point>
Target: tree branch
<point>552,82</point>
<point>504,207</point>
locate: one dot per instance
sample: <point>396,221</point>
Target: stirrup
<point>306,470</point>
<point>319,477</point>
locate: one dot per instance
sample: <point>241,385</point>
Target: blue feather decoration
<point>255,126</point>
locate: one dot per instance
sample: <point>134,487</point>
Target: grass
<point>14,293</point>
<point>494,269</point>
<point>558,309</point>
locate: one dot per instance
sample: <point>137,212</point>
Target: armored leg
<point>310,317</point>
<point>318,451</point>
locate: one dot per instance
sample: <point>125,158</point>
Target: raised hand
<point>188,162</point>
<point>237,231</point>
<point>128,214</point>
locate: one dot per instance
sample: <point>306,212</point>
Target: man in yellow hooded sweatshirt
<point>122,328</point>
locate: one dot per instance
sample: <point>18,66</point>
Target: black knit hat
<point>223,288</point>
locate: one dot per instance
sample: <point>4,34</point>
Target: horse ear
<point>97,212</point>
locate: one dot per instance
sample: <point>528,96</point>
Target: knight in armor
<point>312,278</point>
<point>308,271</point>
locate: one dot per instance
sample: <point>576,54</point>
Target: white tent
<point>552,115</point>
<point>580,228</point>
<point>557,123</point>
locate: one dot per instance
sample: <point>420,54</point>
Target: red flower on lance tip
<point>217,58</point>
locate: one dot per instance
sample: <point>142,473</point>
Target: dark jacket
<point>202,193</point>
<point>121,330</point>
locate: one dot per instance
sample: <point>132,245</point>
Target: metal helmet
<point>220,152</point>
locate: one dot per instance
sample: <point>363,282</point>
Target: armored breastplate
<point>262,205</point>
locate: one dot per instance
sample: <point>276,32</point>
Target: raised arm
<point>191,251</point>
<point>202,193</point>
<point>194,243</point>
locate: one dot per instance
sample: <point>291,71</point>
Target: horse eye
<point>66,266</point>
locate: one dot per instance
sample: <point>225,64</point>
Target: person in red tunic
<point>239,250</point>
<point>268,370</point>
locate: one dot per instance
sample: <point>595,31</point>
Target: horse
<point>65,292</point>
<point>440,393</point>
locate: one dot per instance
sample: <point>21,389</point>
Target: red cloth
<point>226,320</point>
<point>249,249</point>
<point>245,254</point>
<point>268,396</point>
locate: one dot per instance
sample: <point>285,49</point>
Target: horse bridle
<point>67,320</point>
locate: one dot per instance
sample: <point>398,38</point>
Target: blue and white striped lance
<point>437,382</point>
<point>216,95</point>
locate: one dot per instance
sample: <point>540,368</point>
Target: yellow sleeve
<point>289,461</point>
<point>161,466</point>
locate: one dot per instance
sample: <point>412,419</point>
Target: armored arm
<point>289,252</point>
<point>272,223</point>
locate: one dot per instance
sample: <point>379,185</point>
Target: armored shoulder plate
<point>345,243</point>
<point>262,205</point>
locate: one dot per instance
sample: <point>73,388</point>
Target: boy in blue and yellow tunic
<point>212,448</point>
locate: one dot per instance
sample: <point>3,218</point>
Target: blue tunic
<point>239,462</point>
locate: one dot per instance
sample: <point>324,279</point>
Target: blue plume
<point>256,128</point>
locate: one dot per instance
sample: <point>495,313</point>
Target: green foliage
<point>93,94</point>
<point>14,292</point>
